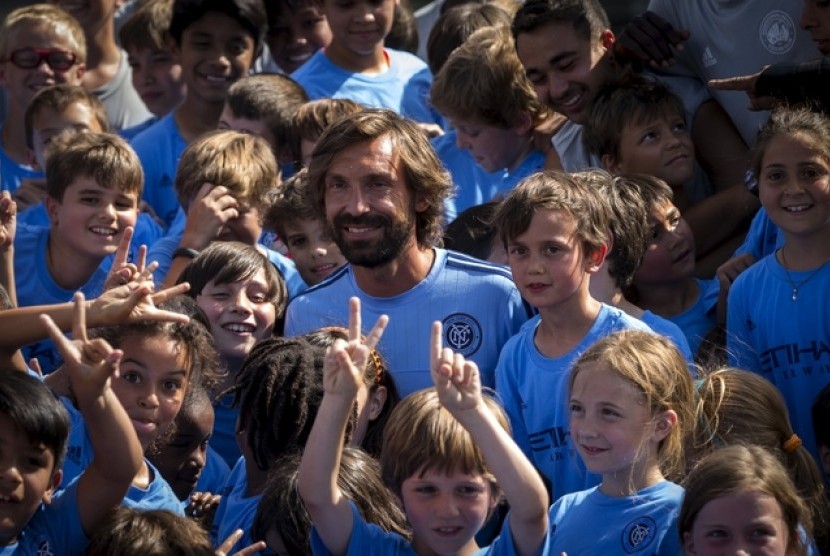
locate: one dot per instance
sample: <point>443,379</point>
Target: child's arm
<point>459,389</point>
<point>91,364</point>
<point>8,228</point>
<point>317,478</point>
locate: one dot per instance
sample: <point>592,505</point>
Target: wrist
<point>185,253</point>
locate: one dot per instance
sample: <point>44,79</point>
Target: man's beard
<point>372,253</point>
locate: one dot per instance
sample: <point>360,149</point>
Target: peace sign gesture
<point>457,380</point>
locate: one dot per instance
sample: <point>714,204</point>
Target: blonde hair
<point>422,436</point>
<point>54,17</point>
<point>734,406</point>
<point>147,27</point>
<point>655,367</point>
<point>241,162</point>
<point>744,469</point>
<point>484,81</point>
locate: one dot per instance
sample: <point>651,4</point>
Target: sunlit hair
<point>424,174</point>
<point>241,162</point>
<point>57,19</point>
<point>147,26</point>
<point>225,262</point>
<point>103,157</point>
<point>151,532</point>
<point>270,98</point>
<point>628,223</point>
<point>633,101</point>
<point>58,98</point>
<point>655,367</point>
<point>422,436</point>
<point>456,25</point>
<point>737,469</point>
<point>314,117</point>
<point>555,191</point>
<point>289,206</point>
<point>484,82</point>
<point>734,406</point>
<point>282,510</point>
<point>787,121</point>
<point>587,17</point>
<point>376,374</point>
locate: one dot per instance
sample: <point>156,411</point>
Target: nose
<point>557,88</point>
<point>319,250</point>
<point>198,457</point>
<point>357,202</point>
<point>149,397</point>
<point>9,472</point>
<point>241,303</point>
<point>446,506</point>
<point>108,212</point>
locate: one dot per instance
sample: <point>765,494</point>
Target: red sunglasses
<point>30,58</point>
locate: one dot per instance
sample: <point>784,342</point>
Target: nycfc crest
<point>638,534</point>
<point>462,333</point>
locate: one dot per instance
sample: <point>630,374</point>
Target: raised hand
<point>121,271</point>
<point>649,38</point>
<point>212,208</point>
<point>457,381</point>
<point>8,220</point>
<point>229,543</point>
<point>345,361</point>
<point>90,363</point>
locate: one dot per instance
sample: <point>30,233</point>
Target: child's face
<point>157,78</point>
<point>794,186</point>
<point>229,120</point>
<point>27,478</point>
<point>48,123</point>
<point>240,314</point>
<point>661,147</point>
<point>670,254</point>
<point>616,434</point>
<point>21,84</point>
<point>816,19</point>
<point>446,511</point>
<point>744,522</point>
<point>297,35</point>
<point>215,51</point>
<point>359,26</point>
<point>151,384</point>
<point>493,148</point>
<point>91,219</point>
<point>314,252</point>
<point>566,70</point>
<point>548,262</point>
<point>183,457</point>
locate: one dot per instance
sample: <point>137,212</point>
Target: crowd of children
<point>624,347</point>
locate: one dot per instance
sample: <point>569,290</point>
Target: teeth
<point>797,208</point>
<point>216,78</point>
<point>102,231</point>
<point>359,230</point>
<point>240,328</point>
<point>299,57</point>
<point>571,101</point>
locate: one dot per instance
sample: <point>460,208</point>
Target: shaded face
<point>493,148</point>
<point>358,27</point>
<point>297,35</point>
<point>446,511</point>
<point>240,314</point>
<point>743,522</point>
<point>566,70</point>
<point>228,120</point>
<point>794,186</point>
<point>21,84</point>
<point>153,379</point>
<point>547,260</point>
<point>612,428</point>
<point>314,252</point>
<point>91,219</point>
<point>157,78</point>
<point>369,207</point>
<point>245,228</point>
<point>215,51</point>
<point>370,401</point>
<point>661,148</point>
<point>670,254</point>
<point>815,18</point>
<point>183,457</point>
<point>48,123</point>
<point>27,479</point>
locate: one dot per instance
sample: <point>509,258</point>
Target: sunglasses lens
<point>29,58</point>
<point>60,61</point>
<point>26,59</point>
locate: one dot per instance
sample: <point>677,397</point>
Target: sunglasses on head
<point>30,58</point>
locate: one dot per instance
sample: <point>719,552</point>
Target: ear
<point>79,73</point>
<point>420,203</point>
<point>610,164</point>
<point>32,160</point>
<point>53,207</point>
<point>607,39</point>
<point>173,47</point>
<point>824,457</point>
<point>54,483</point>
<point>688,544</point>
<point>524,125</point>
<point>595,259</point>
<point>666,422</point>
<point>377,399</point>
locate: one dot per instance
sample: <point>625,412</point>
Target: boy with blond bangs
<point>448,457</point>
<point>312,119</point>
<point>222,183</point>
<point>299,226</point>
<point>265,105</point>
<point>355,65</point>
<point>40,45</point>
<point>216,43</point>
<point>156,74</point>
<point>483,91</point>
<point>555,229</point>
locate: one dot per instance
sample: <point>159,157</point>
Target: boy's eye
<point>716,534</point>
<point>610,413</point>
<point>238,47</point>
<point>172,385</point>
<point>516,251</point>
<point>132,378</point>
<point>575,407</point>
<point>425,489</point>
<point>566,66</point>
<point>297,242</point>
<point>470,490</point>
<point>89,200</point>
<point>649,136</point>
<point>257,297</point>
<point>679,126</point>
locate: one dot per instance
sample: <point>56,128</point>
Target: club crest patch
<point>638,534</point>
<point>462,333</point>
<point>777,32</point>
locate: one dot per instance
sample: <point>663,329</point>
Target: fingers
<point>61,342</point>
<point>739,83</point>
<point>79,318</point>
<point>376,333</point>
<point>169,293</point>
<point>229,543</point>
<point>435,344</point>
<point>142,259</point>
<point>354,319</point>
<point>34,365</point>
<point>253,549</point>
<point>123,251</point>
